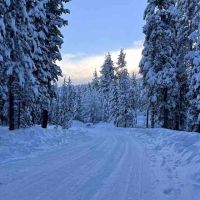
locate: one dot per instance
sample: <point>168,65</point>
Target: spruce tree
<point>78,100</point>
<point>124,116</point>
<point>47,19</point>
<point>67,104</point>
<point>113,100</point>
<point>18,62</point>
<point>30,41</point>
<point>95,81</point>
<point>91,105</point>
<point>121,65</point>
<point>158,65</point>
<point>194,73</point>
<point>106,79</point>
<point>3,86</point>
<point>185,13</point>
<point>133,98</point>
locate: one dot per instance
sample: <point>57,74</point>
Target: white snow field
<point>99,162</point>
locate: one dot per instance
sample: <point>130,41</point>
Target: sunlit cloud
<point>80,67</point>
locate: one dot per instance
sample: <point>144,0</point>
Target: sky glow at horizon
<point>96,28</point>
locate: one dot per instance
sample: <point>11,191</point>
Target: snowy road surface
<point>104,164</point>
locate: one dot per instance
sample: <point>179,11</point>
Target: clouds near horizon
<point>80,67</point>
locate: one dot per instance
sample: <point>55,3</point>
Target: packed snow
<point>28,142</point>
<point>99,162</point>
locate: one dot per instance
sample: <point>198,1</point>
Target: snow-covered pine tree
<point>95,81</point>
<point>30,43</point>
<point>158,65</point>
<point>78,100</point>
<point>61,105</point>
<point>18,64</point>
<point>106,79</point>
<point>133,98</point>
<point>184,15</point>
<point>3,86</point>
<point>124,116</point>
<point>141,96</point>
<point>47,19</point>
<point>121,64</point>
<point>54,22</point>
<point>25,100</point>
<point>113,100</point>
<point>54,110</point>
<point>194,72</point>
<point>91,105</point>
<point>37,14</point>
<point>67,104</point>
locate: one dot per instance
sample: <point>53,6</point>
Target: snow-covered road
<point>104,164</point>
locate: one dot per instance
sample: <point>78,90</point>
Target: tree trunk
<point>166,112</point>
<point>33,117</point>
<point>198,128</point>
<point>177,121</point>
<point>147,119</point>
<point>180,118</point>
<point>11,106</point>
<point>136,120</point>
<point>19,115</point>
<point>153,116</point>
<point>1,109</point>
<point>44,118</point>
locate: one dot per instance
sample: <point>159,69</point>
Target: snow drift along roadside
<point>175,158</point>
<point>24,142</point>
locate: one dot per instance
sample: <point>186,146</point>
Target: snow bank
<point>184,145</point>
<point>175,159</point>
<point>25,142</point>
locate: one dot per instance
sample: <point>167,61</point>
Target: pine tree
<point>78,100</point>
<point>91,105</point>
<point>3,86</point>
<point>121,65</point>
<point>30,41</point>
<point>194,73</point>
<point>54,111</point>
<point>158,65</point>
<point>95,81</point>
<point>133,98</point>
<point>18,64</point>
<point>47,19</point>
<point>124,116</point>
<point>113,100</point>
<point>67,104</point>
<point>185,13</point>
<point>106,79</point>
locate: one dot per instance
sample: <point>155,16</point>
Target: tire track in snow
<point>109,166</point>
<point>54,173</point>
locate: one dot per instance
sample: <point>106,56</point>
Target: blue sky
<point>96,27</point>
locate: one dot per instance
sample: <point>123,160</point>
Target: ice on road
<point>104,164</point>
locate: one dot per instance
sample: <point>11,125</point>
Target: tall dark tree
<point>54,9</point>
<point>185,10</point>
<point>158,65</point>
<point>194,72</point>
<point>19,66</point>
<point>106,79</point>
<point>3,76</point>
<point>95,81</point>
<point>125,115</point>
